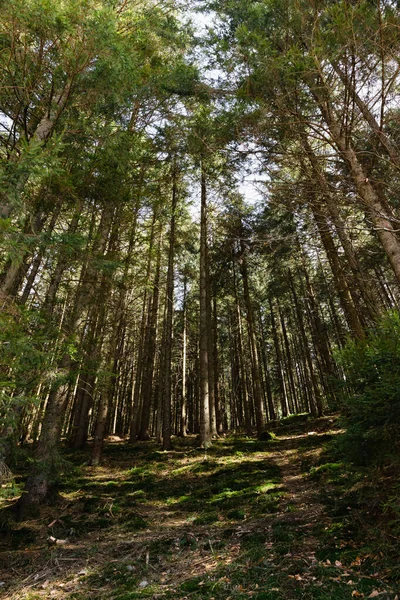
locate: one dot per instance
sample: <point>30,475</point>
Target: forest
<point>200,257</point>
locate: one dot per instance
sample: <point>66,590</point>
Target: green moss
<point>206,518</point>
<point>135,522</point>
<point>331,470</point>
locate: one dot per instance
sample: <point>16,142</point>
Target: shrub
<point>372,407</point>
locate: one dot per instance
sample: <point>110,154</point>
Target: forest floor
<point>248,519</point>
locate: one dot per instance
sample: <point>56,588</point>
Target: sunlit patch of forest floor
<point>244,520</point>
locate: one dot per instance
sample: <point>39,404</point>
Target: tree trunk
<point>380,219</point>
<point>270,399</point>
<point>136,407</point>
<point>385,141</point>
<point>150,352</point>
<point>317,406</point>
<point>278,355</point>
<point>339,278</point>
<point>217,398</point>
<point>167,383</point>
<point>289,361</point>
<point>211,359</point>
<point>41,486</point>
<point>205,429</point>
<point>367,291</point>
<point>92,342</point>
<point>106,391</point>
<point>255,363</point>
<point>184,417</point>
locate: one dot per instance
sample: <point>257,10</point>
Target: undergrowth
<point>364,508</point>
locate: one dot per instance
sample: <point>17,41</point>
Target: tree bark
<point>205,429</point>
<point>167,383</point>
<point>317,406</point>
<point>380,219</point>
<point>150,353</point>
<point>279,363</point>
<point>367,291</point>
<point>341,284</point>
<point>385,141</point>
<point>136,405</point>
<point>255,362</point>
<point>184,416</point>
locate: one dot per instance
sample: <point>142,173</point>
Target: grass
<point>236,523</point>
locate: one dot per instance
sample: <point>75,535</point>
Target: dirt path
<point>300,509</point>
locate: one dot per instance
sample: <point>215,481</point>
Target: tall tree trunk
<point>205,429</point>
<point>270,399</point>
<point>367,290</point>
<point>136,408</point>
<point>217,398</point>
<point>341,284</point>
<point>184,417</point>
<point>289,361</point>
<point>381,220</point>
<point>40,486</point>
<point>279,363</point>
<point>106,389</point>
<point>243,406</point>
<point>317,406</point>
<point>167,388</point>
<point>211,358</point>
<point>150,352</point>
<point>321,341</point>
<point>255,362</point>
<point>389,148</point>
<point>93,341</point>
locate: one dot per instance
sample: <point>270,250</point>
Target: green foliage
<point>372,368</point>
<point>8,487</point>
<point>22,364</point>
<point>326,471</point>
<point>10,490</point>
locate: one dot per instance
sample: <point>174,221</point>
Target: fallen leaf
<point>374,594</point>
<point>356,594</point>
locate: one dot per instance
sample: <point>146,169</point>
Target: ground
<point>246,519</point>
